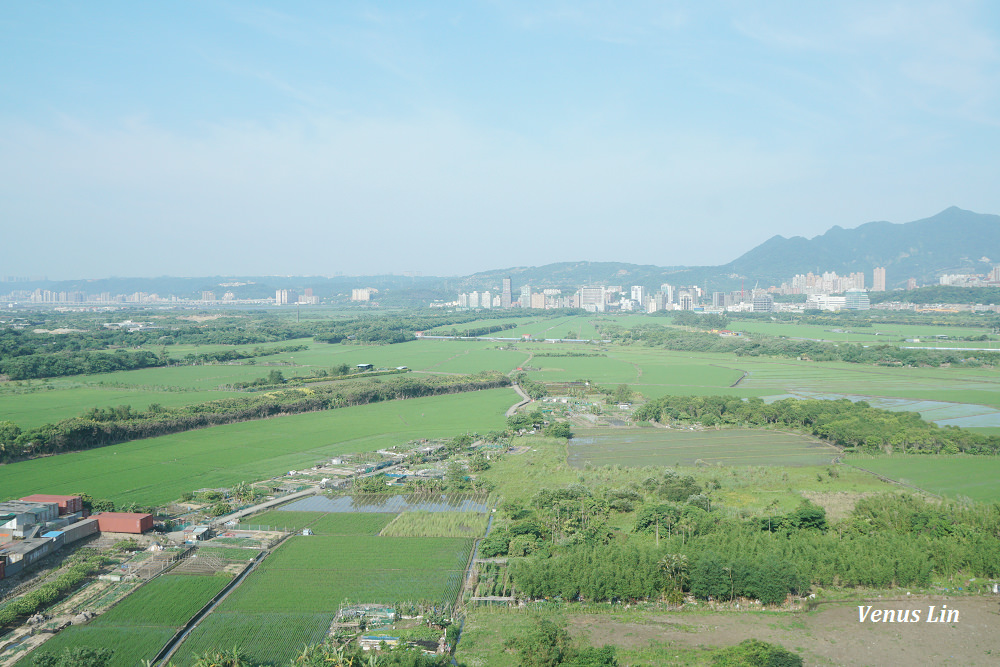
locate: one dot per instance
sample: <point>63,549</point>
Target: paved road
<point>235,516</point>
<point>527,399</point>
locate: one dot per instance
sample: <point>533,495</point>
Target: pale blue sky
<point>207,137</point>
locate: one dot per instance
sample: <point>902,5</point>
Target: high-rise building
<point>878,282</point>
<point>284,296</point>
<point>668,292</point>
<point>592,299</point>
<point>911,283</point>
<point>362,293</point>
<point>486,300</point>
<point>473,299</point>
<point>639,294</point>
<point>763,303</point>
<point>505,294</point>
<point>525,299</point>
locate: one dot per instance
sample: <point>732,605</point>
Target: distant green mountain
<point>953,241</point>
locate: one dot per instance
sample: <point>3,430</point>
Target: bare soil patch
<point>838,504</point>
<point>830,635</point>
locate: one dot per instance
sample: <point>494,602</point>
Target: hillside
<point>953,241</point>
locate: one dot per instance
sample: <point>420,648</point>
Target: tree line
<point>108,426</point>
<point>759,345</point>
<point>846,423</point>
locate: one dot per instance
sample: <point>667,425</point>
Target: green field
<point>138,627</point>
<point>345,523</point>
<point>268,638</point>
<point>35,402</point>
<point>975,477</point>
<point>667,447</point>
<point>50,405</point>
<point>158,470</point>
<point>294,594</point>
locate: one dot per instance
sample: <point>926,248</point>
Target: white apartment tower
<point>878,282</point>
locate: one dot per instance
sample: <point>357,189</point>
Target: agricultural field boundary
<point>175,642</point>
<point>877,475</point>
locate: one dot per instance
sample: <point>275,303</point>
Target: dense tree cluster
<point>76,363</point>
<point>887,541</point>
<point>109,426</point>
<point>842,422</point>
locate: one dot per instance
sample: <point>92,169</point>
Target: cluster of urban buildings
<point>107,299</point>
<point>825,291</point>
<point>991,279</point>
<point>284,297</point>
<point>35,526</point>
<point>638,298</point>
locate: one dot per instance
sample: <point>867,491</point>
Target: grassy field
<point>158,470</point>
<point>975,477</point>
<point>138,627</point>
<point>437,524</point>
<point>662,447</point>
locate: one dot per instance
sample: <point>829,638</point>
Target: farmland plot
<point>138,627</point>
<point>293,595</point>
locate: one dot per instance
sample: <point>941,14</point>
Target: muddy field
<point>829,635</point>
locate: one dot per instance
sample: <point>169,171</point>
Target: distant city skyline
<point>320,138</point>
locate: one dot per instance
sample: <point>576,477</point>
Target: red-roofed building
<point>67,504</point>
<point>124,522</point>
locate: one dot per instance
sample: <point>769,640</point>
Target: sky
<point>356,138</point>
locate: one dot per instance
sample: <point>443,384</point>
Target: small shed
<point>197,532</point>
<point>369,642</point>
<point>365,367</point>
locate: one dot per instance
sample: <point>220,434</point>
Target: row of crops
<point>493,579</point>
<point>437,524</point>
<point>138,627</point>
